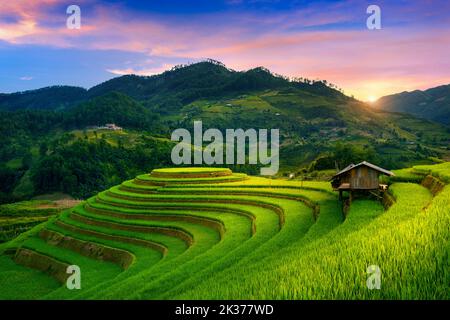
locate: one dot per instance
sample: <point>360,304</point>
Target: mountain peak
<point>432,104</point>
<point>52,98</point>
<point>181,85</point>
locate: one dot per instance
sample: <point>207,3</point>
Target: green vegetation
<point>49,140</point>
<point>441,171</point>
<point>255,238</point>
<point>369,236</point>
<point>19,217</point>
<point>193,170</point>
<point>214,233</point>
<point>405,175</point>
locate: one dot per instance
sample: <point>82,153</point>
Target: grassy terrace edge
<point>129,219</point>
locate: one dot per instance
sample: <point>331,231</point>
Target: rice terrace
<point>244,159</point>
<point>209,233</point>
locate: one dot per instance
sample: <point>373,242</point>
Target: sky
<point>326,40</point>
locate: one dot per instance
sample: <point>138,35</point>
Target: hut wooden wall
<point>364,178</point>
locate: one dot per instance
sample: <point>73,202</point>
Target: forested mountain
<point>48,143</point>
<point>432,104</point>
<point>49,98</point>
<point>181,85</point>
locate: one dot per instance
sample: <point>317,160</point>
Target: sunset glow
<point>372,99</point>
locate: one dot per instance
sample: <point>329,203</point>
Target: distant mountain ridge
<point>168,92</point>
<point>47,133</point>
<point>177,86</point>
<point>432,104</point>
<point>48,98</point>
<point>312,115</point>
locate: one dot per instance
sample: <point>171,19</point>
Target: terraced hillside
<point>209,233</point>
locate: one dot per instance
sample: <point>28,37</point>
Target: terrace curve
<point>175,225</point>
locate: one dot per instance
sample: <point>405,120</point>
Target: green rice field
<point>209,233</point>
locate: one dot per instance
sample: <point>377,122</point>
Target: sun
<point>372,99</point>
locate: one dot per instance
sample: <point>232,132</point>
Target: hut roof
<point>364,163</point>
